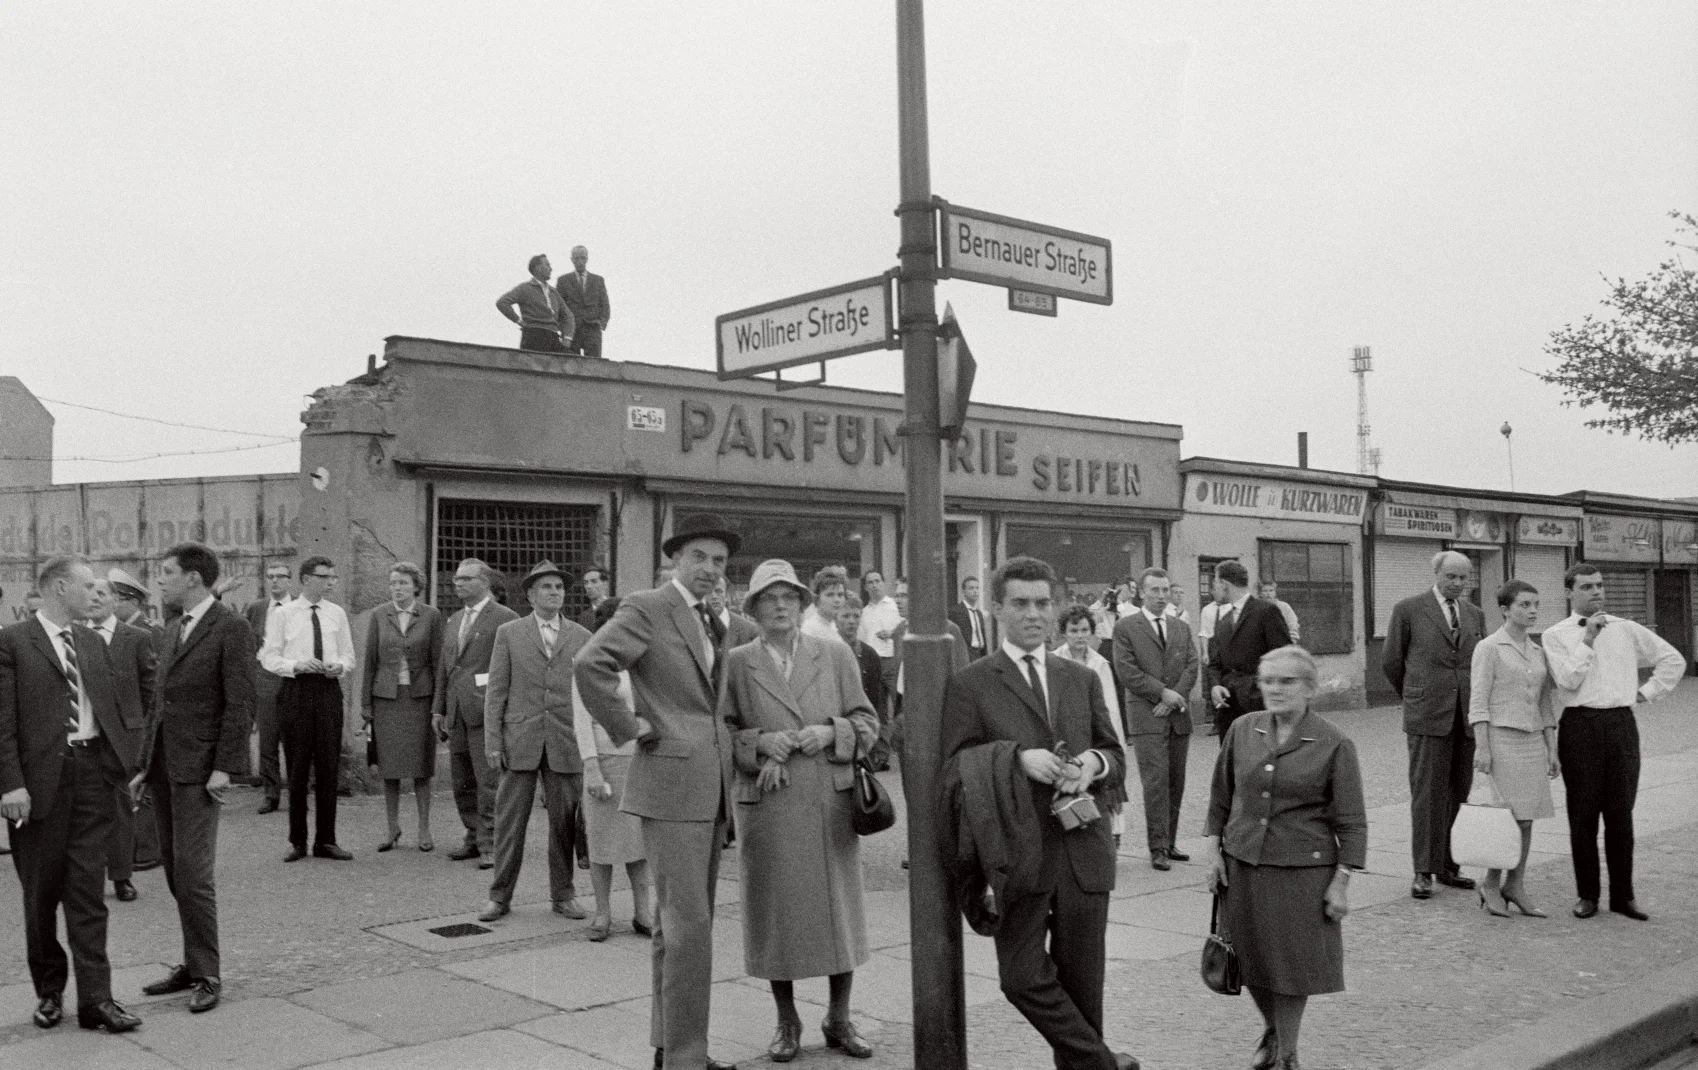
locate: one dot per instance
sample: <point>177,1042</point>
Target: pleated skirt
<point>1276,919</point>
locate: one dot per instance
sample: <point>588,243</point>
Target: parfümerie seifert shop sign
<point>829,447</point>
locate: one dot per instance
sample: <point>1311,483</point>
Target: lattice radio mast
<point>1367,457</point>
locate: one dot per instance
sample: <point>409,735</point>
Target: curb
<point>1630,1027</point>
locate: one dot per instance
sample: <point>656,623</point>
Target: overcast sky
<point>214,209</point>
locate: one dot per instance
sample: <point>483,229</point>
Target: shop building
<point>1647,549</point>
<point>1298,527</point>
<point>451,450</point>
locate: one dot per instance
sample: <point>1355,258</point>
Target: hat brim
<point>128,591</point>
<point>731,540</point>
<point>776,581</point>
<point>535,576</point>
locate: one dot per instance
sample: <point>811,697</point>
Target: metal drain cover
<point>462,928</point>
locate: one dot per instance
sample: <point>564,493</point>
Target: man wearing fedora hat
<point>529,736</point>
<point>680,779</point>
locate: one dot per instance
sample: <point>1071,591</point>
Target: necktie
<point>466,619</point>
<point>317,637</point>
<point>1037,685</point>
<point>547,639</point>
<point>978,627</point>
<point>715,627</point>
<point>1161,634</point>
<point>1450,615</point>
<point>73,723</point>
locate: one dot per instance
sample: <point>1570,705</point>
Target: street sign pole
<point>940,1014</point>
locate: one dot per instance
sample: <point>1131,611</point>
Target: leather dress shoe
<point>641,929</point>
<point>205,994</point>
<point>269,806</point>
<point>463,852</point>
<point>486,863</point>
<point>107,1015</point>
<point>844,1035</point>
<point>1123,1061</point>
<point>785,1043</point>
<point>1423,886</point>
<point>1158,860</point>
<point>50,1011</point>
<point>1630,909</point>
<point>1585,908</point>
<point>712,1064</point>
<point>493,911</point>
<point>296,853</point>
<point>178,980</point>
<point>125,891</point>
<point>569,908</point>
<point>1456,880</point>
<point>1177,855</point>
<point>331,851</point>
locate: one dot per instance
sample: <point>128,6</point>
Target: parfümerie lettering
<point>819,321</point>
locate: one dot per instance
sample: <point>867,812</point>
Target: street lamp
<point>1509,450</point>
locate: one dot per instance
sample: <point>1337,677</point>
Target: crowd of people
<point>660,723</point>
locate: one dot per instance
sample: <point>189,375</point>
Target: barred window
<point>1315,580</point>
<point>511,537</point>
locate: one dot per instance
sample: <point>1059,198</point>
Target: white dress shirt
<point>1157,625</point>
<point>1018,656</point>
<point>1207,620</point>
<point>106,628</point>
<point>87,727</point>
<point>404,619</point>
<point>288,637</point>
<point>1605,675</point>
<point>880,616</point>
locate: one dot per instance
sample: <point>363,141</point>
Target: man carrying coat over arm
<point>680,779</point>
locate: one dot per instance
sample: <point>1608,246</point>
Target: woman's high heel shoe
<point>1266,1052</point>
<point>1486,905</point>
<point>389,844</point>
<point>1522,905</point>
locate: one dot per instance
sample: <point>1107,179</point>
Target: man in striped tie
<point>65,749</point>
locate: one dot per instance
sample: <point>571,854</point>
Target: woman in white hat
<point>798,714</point>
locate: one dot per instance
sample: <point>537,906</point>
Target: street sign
<point>1034,257</point>
<point>1036,304</point>
<point>956,369</point>
<point>835,322</point>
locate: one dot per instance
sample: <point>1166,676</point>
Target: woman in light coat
<point>798,715</point>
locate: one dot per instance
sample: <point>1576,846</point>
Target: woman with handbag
<point>403,641</point>
<point>1512,710</point>
<point>1286,826</point>
<point>798,716</point>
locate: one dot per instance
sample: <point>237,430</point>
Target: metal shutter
<point>1626,593</point>
<point>1543,566</point>
<point>1402,567</point>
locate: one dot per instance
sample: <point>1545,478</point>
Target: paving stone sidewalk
<point>338,967</point>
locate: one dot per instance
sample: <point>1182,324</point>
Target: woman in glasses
<point>1287,824</point>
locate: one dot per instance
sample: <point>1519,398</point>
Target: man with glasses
<point>308,643</point>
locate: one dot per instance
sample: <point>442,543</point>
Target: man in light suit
<point>967,616</point>
<point>197,739</point>
<point>1049,946</point>
<point>1428,657</point>
<point>586,298</point>
<point>1246,628</point>
<point>529,735</point>
<point>1157,664</point>
<point>130,650</point>
<point>65,751</point>
<point>268,684</point>
<point>462,672</point>
<point>680,779</point>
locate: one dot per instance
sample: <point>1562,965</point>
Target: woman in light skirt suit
<point>1512,708</point>
<point>403,639</point>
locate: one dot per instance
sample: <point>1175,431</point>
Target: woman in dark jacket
<point>1287,824</point>
<point>402,641</point>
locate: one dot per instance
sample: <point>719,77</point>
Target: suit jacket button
<point>1269,768</point>
<point>1317,854</point>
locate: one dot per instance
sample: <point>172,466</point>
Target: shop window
<point>1088,561</point>
<point>511,537</point>
<point>808,541</point>
<point>1314,578</point>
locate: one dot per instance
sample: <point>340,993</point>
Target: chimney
<point>1302,449</point>
<point>371,363</point>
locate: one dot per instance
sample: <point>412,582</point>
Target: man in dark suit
<point>597,587</point>
<point>267,686</point>
<point>1047,704</point>
<point>1429,654</point>
<point>130,651</point>
<point>738,628</point>
<point>65,751</point>
<point>967,616</point>
<point>1246,629</point>
<point>1156,662</point>
<point>586,299</point>
<point>197,739</point>
<point>129,603</point>
<point>680,778</point>
<point>462,674</point>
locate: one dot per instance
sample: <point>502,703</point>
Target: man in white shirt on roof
<point>1595,660</point>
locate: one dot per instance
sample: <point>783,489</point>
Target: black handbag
<point>1220,961</point>
<point>371,747</point>
<point>873,811</point>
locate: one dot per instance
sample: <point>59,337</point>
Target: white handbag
<point>1485,833</point>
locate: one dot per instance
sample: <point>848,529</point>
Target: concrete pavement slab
<point>253,1034</point>
<point>1372,889</point>
<point>17,1002</point>
<point>978,954</point>
<point>1135,943</point>
<point>884,989</point>
<point>742,1016</point>
<point>496,1049</point>
<point>421,1005</point>
<point>887,918</point>
<point>70,1048</point>
<point>615,1034</point>
<point>570,976</point>
<point>1134,876</point>
<point>457,932</point>
<point>1181,910</point>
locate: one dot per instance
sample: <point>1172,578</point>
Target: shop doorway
<point>1673,594</point>
<point>964,551</point>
